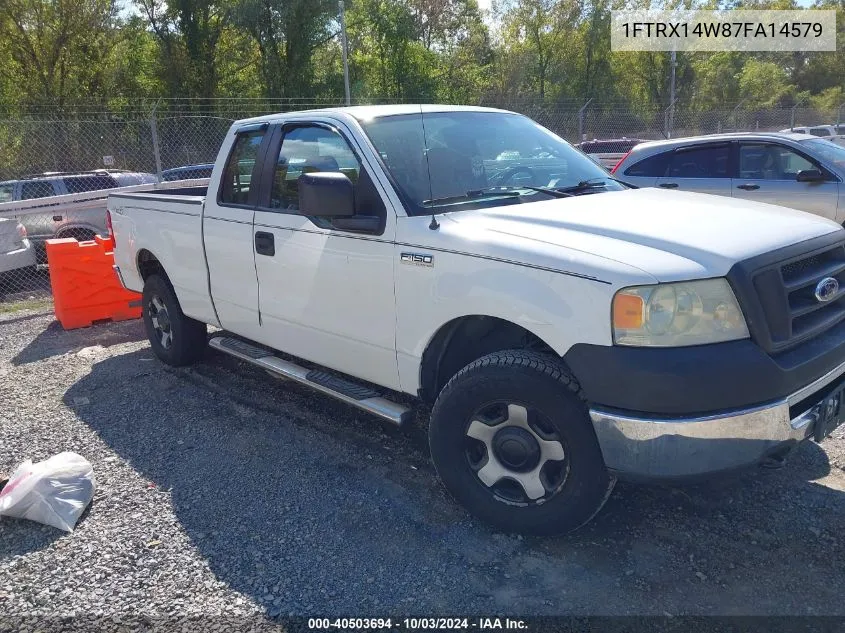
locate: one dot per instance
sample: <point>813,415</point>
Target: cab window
<point>6,193</point>
<point>237,175</point>
<point>307,149</point>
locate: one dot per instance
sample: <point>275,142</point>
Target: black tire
<point>187,340</point>
<point>551,396</point>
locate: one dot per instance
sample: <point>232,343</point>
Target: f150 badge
<point>417,259</point>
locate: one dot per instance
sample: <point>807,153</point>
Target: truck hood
<point>670,235</point>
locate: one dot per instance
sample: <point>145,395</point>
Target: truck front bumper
<point>667,447</point>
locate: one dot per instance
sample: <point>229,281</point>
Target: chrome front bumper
<point>653,448</point>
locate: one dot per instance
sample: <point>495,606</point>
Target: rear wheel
<point>176,339</point>
<point>513,442</point>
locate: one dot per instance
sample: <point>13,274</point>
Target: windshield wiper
<point>500,191</point>
<point>513,189</point>
<point>592,183</point>
<point>471,195</point>
<point>584,185</point>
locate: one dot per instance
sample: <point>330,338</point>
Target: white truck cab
<point>566,328</point>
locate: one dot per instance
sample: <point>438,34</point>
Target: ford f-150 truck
<point>566,329</point>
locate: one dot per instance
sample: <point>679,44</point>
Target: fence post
<point>669,121</point>
<point>792,115</point>
<point>156,147</point>
<point>839,116</point>
<point>734,114</point>
<point>581,120</point>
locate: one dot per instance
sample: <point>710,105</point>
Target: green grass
<point>11,307</point>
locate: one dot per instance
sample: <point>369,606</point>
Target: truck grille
<point>786,292</point>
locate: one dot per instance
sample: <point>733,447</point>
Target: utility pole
<point>345,52</point>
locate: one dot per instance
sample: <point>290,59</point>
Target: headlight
<point>673,315</point>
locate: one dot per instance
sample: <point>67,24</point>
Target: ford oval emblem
<point>827,289</point>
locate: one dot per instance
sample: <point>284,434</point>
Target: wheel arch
<point>148,264</point>
<point>465,339</point>
<point>68,229</point>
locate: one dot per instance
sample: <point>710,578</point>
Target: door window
<point>237,176</point>
<point>305,150</point>
<point>709,161</point>
<point>770,162</point>
<point>651,167</point>
<point>37,189</point>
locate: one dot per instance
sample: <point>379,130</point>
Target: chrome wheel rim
<point>160,319</point>
<point>516,454</point>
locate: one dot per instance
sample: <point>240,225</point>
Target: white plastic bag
<point>54,492</point>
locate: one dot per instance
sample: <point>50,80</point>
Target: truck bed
<point>166,224</point>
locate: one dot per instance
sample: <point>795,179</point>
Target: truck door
<point>227,232</point>
<point>325,294</point>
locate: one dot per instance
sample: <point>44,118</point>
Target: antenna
<point>434,223</point>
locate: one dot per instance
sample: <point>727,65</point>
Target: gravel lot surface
<point>224,491</point>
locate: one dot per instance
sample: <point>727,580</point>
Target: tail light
<point>621,160</point>
<point>109,229</point>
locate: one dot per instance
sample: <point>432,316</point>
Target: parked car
<point>833,133</point>
<point>793,170</point>
<point>16,252</point>
<point>608,153</point>
<point>566,329</point>
<point>59,183</point>
<point>44,221</point>
<point>188,172</point>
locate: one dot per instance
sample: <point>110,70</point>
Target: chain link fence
<point>56,165</point>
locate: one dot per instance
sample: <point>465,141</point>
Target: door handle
<point>265,243</point>
<point>748,187</point>
<point>668,185</point>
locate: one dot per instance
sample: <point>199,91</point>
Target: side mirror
<point>326,194</point>
<point>809,175</point>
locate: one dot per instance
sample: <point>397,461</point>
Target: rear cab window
<point>237,175</point>
<point>820,131</point>
<point>7,193</point>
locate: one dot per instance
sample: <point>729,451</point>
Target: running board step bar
<point>324,382</point>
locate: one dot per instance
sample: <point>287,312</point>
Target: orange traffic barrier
<point>85,287</point>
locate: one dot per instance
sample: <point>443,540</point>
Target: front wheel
<point>512,441</point>
<point>176,339</point>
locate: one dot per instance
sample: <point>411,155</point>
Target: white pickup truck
<point>567,329</point>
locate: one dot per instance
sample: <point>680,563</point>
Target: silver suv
<point>83,223</point>
<point>794,170</point>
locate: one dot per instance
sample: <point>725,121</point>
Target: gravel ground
<point>223,491</point>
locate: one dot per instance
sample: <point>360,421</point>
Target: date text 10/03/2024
<point>418,624</point>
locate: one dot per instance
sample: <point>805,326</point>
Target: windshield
<point>829,151</point>
<point>446,161</point>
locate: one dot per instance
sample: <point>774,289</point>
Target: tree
<point>61,47</point>
<point>287,34</point>
<point>189,31</point>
